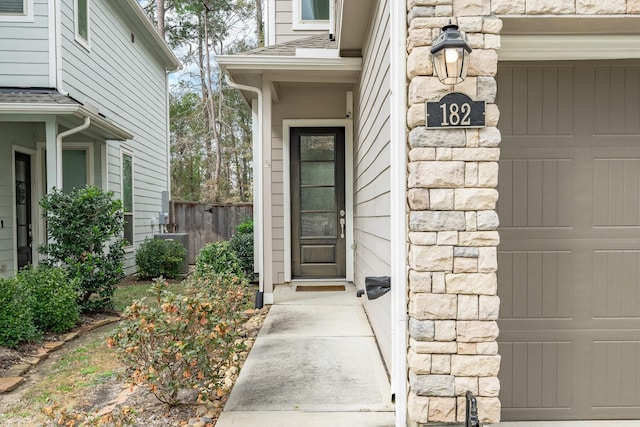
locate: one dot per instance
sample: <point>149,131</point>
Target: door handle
<point>342,222</point>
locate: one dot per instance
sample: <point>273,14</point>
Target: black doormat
<point>320,288</point>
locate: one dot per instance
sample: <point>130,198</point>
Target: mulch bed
<point>18,355</point>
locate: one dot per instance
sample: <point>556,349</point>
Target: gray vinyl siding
<point>372,172</point>
<point>284,23</point>
<point>24,50</point>
<point>128,84</point>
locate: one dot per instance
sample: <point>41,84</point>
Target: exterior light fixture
<point>450,55</point>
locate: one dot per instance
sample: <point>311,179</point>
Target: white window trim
<point>84,43</point>
<point>299,24</point>
<point>347,124</point>
<point>128,152</point>
<point>25,17</point>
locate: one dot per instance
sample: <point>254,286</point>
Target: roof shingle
<point>319,41</point>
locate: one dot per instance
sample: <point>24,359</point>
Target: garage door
<point>569,261</point>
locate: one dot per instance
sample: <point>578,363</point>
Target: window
<point>314,10</point>
<point>16,10</point>
<point>127,196</point>
<point>82,22</point>
<point>13,7</point>
<point>311,14</point>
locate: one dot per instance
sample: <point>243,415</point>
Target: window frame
<point>301,24</point>
<point>86,43</point>
<point>126,152</point>
<point>25,16</point>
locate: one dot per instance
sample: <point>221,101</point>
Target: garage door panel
<point>536,100</point>
<point>614,367</point>
<point>616,275</point>
<point>616,194</point>
<point>530,374</point>
<point>616,87</point>
<point>535,284</point>
<point>535,192</point>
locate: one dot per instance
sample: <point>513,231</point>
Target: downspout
<point>83,126</point>
<point>398,164</point>
<point>257,185</point>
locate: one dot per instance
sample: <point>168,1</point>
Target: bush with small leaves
<point>242,244</point>
<point>16,322</point>
<point>51,296</point>
<point>183,341</point>
<point>160,258</point>
<point>218,258</point>
<point>84,234</point>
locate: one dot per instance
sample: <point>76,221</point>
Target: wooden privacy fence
<point>206,223</point>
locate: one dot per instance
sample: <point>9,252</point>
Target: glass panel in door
<point>23,209</point>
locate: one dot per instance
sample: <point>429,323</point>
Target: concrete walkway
<point>315,363</point>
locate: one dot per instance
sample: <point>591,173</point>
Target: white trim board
<point>347,124</point>
<point>568,47</point>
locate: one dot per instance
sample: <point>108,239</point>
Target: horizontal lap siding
<point>371,172</point>
<point>127,83</point>
<point>24,50</point>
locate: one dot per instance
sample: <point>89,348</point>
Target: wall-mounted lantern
<point>450,55</point>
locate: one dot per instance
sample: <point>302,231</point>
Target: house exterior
<point>512,248</point>
<point>83,100</point>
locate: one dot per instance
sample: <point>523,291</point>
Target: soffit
<point>352,26</point>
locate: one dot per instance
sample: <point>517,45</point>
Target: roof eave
<point>265,62</point>
<point>111,130</point>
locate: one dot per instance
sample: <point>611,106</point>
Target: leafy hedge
<point>38,299</point>
<point>84,231</point>
<point>160,258</point>
<point>218,258</point>
<point>242,244</point>
<point>52,297</point>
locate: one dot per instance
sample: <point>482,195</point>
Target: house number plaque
<point>456,110</point>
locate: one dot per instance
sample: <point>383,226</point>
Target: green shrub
<point>218,258</point>
<point>84,230</point>
<point>245,227</point>
<point>51,296</point>
<point>16,322</point>
<point>184,341</point>
<point>160,258</point>
<point>242,245</point>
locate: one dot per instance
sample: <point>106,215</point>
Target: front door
<point>318,214</point>
<point>23,209</point>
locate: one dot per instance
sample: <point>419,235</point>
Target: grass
<point>74,373</point>
<point>124,295</point>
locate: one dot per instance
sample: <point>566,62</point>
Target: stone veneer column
<point>453,237</point>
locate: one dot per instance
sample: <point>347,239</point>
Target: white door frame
<point>35,207</point>
<point>347,124</point>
